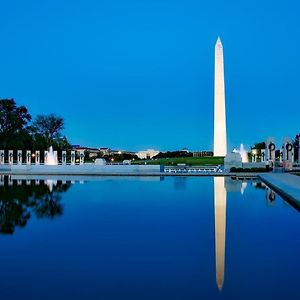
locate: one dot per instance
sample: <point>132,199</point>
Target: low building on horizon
<point>147,154</point>
<point>93,152</point>
<point>203,154</point>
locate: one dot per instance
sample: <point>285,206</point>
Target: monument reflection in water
<point>221,186</point>
<point>220,228</point>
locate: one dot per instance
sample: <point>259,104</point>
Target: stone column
<point>55,157</point>
<point>254,155</point>
<point>64,157</point>
<point>19,157</point>
<point>81,157</point>
<point>28,157</point>
<point>73,157</point>
<point>11,157</point>
<point>1,157</point>
<point>263,155</point>
<point>270,149</point>
<point>37,157</point>
<point>287,149</point>
<point>45,157</point>
<point>280,156</point>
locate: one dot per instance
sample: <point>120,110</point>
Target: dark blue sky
<point>138,74</point>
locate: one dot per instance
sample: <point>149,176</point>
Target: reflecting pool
<point>146,238</point>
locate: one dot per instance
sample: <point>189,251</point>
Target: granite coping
<point>287,185</point>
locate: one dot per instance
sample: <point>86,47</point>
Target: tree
<point>13,121</point>
<point>47,129</point>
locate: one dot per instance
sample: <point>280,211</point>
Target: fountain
<point>51,158</point>
<point>243,153</point>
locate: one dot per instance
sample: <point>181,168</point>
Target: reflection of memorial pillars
<point>19,157</point>
<point>45,157</point>
<point>19,182</point>
<point>81,157</point>
<point>10,181</point>
<point>10,157</point>
<point>28,157</point>
<point>1,180</point>
<point>72,157</point>
<point>64,157</point>
<point>37,157</point>
<point>220,228</point>
<point>1,157</point>
<point>263,155</point>
<point>270,197</point>
<point>37,182</point>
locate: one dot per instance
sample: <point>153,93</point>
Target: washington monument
<point>220,139</point>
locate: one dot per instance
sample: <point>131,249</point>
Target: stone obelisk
<point>220,196</point>
<point>220,139</point>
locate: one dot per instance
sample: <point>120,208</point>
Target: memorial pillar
<point>81,157</point>
<point>45,157</point>
<point>73,157</point>
<point>37,157</point>
<point>287,150</point>
<point>263,154</point>
<point>28,157</point>
<point>64,157</point>
<point>11,157</point>
<point>270,149</point>
<point>1,157</point>
<point>19,157</point>
<point>55,157</point>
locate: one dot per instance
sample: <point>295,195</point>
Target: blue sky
<point>139,74</point>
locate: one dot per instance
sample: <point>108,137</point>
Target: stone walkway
<point>287,185</point>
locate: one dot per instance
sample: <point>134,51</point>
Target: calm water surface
<point>147,238</point>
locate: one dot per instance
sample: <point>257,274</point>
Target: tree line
<point>18,131</point>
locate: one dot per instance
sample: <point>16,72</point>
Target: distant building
<point>105,151</point>
<point>203,154</point>
<point>93,152</point>
<point>108,151</point>
<point>147,154</point>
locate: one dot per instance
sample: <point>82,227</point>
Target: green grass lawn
<point>194,161</point>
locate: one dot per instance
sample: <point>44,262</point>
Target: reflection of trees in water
<point>17,202</point>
